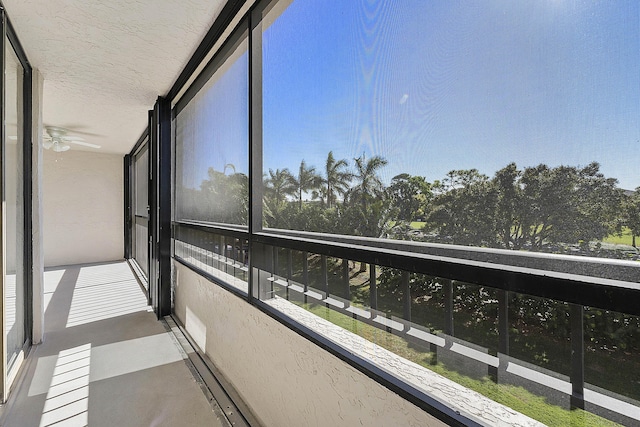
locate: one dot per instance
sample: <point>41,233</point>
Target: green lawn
<point>623,239</point>
<point>514,397</point>
<point>416,225</point>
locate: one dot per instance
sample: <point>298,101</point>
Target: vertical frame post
<point>160,208</point>
<point>152,193</point>
<point>27,146</point>
<point>503,334</point>
<point>448,307</point>
<point>255,139</point>
<point>163,114</point>
<point>305,273</point>
<point>373,287</point>
<point>324,276</point>
<point>345,278</point>
<point>128,207</point>
<point>503,322</point>
<point>577,356</point>
<point>406,290</point>
<point>3,216</point>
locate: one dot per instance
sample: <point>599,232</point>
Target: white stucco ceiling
<point>105,62</point>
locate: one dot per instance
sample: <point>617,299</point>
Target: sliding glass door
<point>14,198</point>
<point>16,207</point>
<point>141,208</point>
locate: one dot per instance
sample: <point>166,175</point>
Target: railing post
<point>503,322</point>
<point>345,277</point>
<point>276,262</point>
<point>289,269</point>
<point>305,273</point>
<point>373,288</point>
<point>406,290</point>
<point>324,280</point>
<point>289,264</point>
<point>448,307</point>
<point>577,356</point>
<point>503,331</point>
<point>264,259</point>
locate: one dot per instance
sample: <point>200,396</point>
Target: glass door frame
<point>131,210</point>
<point>9,40</point>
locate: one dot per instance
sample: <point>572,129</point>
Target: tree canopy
<point>537,208</point>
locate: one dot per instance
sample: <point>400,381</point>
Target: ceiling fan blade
<point>72,138</point>
<point>47,144</point>
<point>86,144</point>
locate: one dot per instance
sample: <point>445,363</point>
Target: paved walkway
<point>106,360</point>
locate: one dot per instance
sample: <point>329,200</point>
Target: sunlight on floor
<point>98,293</point>
<point>68,396</point>
<point>91,300</point>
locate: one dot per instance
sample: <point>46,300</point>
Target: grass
<point>624,238</point>
<point>514,397</point>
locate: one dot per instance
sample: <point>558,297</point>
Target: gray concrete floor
<point>106,360</point>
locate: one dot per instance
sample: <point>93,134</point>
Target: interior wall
<point>83,196</point>
<point>284,378</point>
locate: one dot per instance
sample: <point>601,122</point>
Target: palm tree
<point>307,180</point>
<point>337,179</point>
<point>369,183</point>
<point>280,185</point>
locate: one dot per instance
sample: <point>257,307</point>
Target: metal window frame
<point>160,163</point>
<point>129,193</point>
<point>608,284</point>
<point>8,33</point>
<point>130,205</point>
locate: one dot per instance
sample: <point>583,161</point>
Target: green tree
<point>336,181</point>
<point>279,185</point>
<point>568,205</point>
<point>632,214</point>
<point>600,204</point>
<point>508,206</point>
<point>464,208</point>
<point>369,185</point>
<point>410,195</point>
<point>307,180</point>
<point>224,198</point>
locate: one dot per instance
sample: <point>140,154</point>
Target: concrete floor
<point>106,360</point>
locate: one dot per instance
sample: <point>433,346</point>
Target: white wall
<point>285,379</point>
<point>83,207</point>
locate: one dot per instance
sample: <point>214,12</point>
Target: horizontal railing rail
<point>608,284</point>
<point>230,230</point>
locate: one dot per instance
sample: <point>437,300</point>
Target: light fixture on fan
<point>56,144</point>
<point>56,139</point>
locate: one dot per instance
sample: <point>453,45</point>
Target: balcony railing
<point>560,327</point>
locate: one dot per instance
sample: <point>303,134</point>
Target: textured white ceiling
<point>105,62</point>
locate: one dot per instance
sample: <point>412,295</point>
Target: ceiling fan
<point>56,139</point>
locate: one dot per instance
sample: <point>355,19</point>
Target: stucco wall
<point>83,207</point>
<point>284,378</point>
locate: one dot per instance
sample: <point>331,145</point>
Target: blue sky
<point>439,85</point>
<point>212,128</point>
